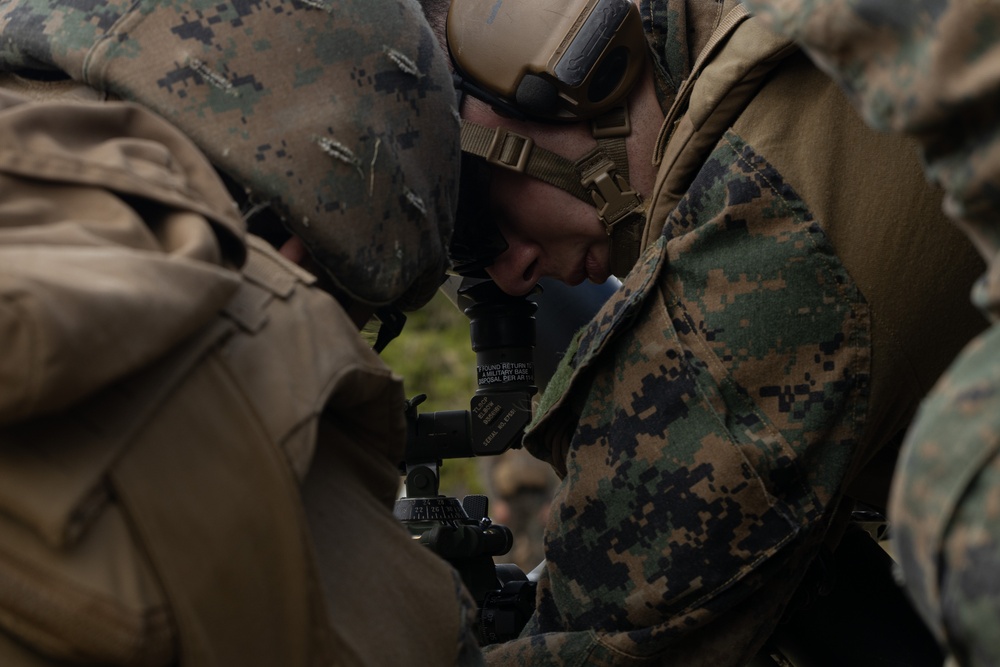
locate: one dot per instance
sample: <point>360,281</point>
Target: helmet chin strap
<point>599,178</point>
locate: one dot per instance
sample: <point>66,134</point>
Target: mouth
<point>594,269</point>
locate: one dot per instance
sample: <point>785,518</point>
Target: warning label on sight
<point>510,371</point>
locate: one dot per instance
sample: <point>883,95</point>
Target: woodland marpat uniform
<point>716,421</point>
<point>198,451</point>
<point>932,71</point>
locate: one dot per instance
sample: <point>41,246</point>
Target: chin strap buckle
<point>619,207</point>
<point>613,197</point>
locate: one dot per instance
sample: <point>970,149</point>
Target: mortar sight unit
<point>502,330</point>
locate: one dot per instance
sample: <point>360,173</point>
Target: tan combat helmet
<point>549,61</point>
<point>339,114</point>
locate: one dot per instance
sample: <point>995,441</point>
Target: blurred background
<point>434,356</point>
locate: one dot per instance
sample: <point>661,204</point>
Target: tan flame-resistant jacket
<point>167,385</point>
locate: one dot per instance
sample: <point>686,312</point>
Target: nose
<point>516,270</point>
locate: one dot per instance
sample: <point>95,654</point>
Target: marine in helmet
<point>715,424</point>
<point>197,449</point>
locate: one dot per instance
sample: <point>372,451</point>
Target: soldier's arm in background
<point>931,70</point>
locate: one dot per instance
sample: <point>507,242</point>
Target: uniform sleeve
<point>933,73</point>
<point>713,431</point>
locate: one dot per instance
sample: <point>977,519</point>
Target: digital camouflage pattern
<point>679,485</point>
<point>708,421</point>
<point>350,137</point>
<point>676,31</point>
<point>945,507</point>
<point>932,71</point>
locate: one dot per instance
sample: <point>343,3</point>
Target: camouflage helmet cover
<point>338,113</point>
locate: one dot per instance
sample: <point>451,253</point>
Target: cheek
<point>530,209</point>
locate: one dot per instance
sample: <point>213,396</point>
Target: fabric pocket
<point>714,427</point>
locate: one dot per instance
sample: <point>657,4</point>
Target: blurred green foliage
<point>434,356</point>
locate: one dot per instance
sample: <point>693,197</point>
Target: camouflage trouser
<point>946,505</point>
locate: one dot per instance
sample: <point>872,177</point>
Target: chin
<point>575,278</point>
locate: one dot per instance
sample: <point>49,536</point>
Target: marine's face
<point>549,232</point>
